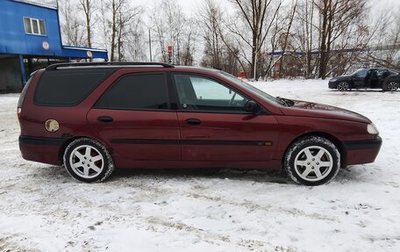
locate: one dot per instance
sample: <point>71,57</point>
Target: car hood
<point>315,110</point>
<point>342,77</point>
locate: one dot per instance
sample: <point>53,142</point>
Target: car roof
<point>106,65</point>
<point>96,65</point>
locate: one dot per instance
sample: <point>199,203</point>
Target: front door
<point>134,118</point>
<point>361,78</point>
<point>215,127</point>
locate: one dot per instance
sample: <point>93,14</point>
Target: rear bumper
<point>362,152</point>
<point>41,149</point>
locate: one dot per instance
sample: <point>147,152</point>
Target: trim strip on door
<point>191,142</point>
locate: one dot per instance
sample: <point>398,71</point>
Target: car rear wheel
<point>343,86</point>
<point>312,161</point>
<point>87,160</point>
<point>392,86</point>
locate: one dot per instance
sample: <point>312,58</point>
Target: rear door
<point>135,119</point>
<point>375,77</point>
<point>214,125</point>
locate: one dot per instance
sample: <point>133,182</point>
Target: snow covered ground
<point>43,209</point>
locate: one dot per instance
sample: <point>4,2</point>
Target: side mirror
<point>251,106</point>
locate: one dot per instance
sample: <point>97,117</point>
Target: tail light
<point>23,93</point>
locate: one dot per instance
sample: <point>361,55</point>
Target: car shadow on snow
<point>273,176</point>
<point>60,175</point>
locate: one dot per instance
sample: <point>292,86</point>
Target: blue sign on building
<point>30,34</point>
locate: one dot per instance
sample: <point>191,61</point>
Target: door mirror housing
<point>251,106</point>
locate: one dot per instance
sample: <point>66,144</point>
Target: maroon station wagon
<point>92,117</point>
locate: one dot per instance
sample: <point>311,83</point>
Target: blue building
<point>30,38</point>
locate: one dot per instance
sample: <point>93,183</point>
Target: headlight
<point>332,80</point>
<point>372,129</point>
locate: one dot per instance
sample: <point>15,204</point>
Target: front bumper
<point>362,152</point>
<point>332,85</point>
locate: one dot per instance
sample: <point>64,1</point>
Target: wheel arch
<point>69,140</point>
<point>339,145</point>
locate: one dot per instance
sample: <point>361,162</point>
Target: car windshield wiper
<point>284,101</point>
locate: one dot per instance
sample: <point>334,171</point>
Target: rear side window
<point>68,87</point>
<point>136,92</point>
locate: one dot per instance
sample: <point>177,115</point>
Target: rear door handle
<point>105,119</point>
<point>193,121</point>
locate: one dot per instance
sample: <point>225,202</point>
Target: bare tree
<point>168,28</point>
<point>219,51</point>
<point>254,13</point>
<point>336,17</point>
<point>319,37</point>
<point>189,39</point>
<point>72,26</point>
<point>210,19</point>
<point>286,34</point>
<point>304,38</point>
<point>88,9</point>
<point>384,47</point>
<point>136,41</point>
<point>272,45</point>
<point>116,16</point>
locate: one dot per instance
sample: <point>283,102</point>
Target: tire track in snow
<point>253,206</point>
<point>217,239</point>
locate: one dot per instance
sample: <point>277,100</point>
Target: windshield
<point>252,88</point>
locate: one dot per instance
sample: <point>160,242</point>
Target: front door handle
<point>105,119</point>
<point>193,121</point>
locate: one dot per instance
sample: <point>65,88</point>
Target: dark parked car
<point>385,79</point>
<point>94,117</point>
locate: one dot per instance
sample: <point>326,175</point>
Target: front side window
<point>34,26</point>
<point>137,92</point>
<point>361,73</point>
<point>200,93</point>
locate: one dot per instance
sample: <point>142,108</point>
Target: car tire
<point>392,86</point>
<point>312,161</point>
<point>343,86</point>
<point>88,161</point>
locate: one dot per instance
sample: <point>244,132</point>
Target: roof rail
<point>105,64</point>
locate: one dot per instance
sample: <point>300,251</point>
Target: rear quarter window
<point>68,87</point>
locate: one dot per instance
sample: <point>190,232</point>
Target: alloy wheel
<point>313,163</point>
<point>86,161</point>
<point>343,86</point>
<point>393,86</point>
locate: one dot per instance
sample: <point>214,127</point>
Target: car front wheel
<point>312,161</point>
<point>343,86</point>
<point>87,160</point>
